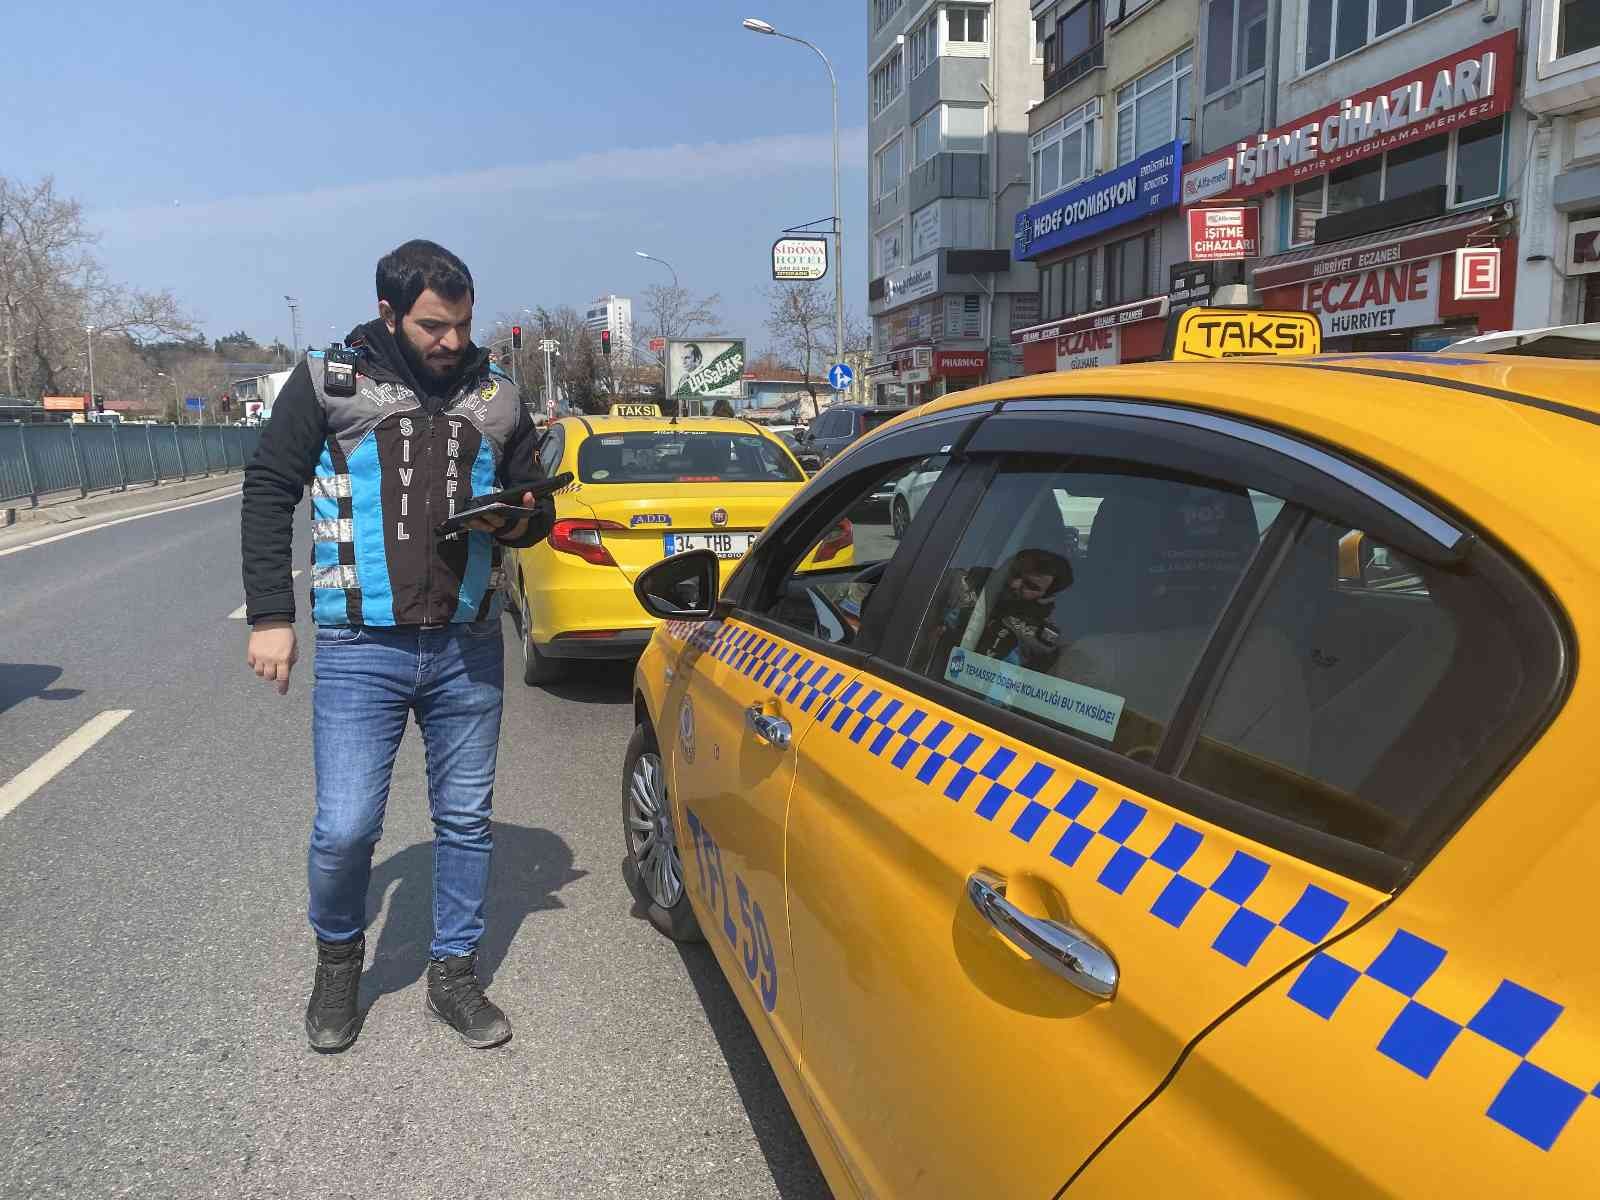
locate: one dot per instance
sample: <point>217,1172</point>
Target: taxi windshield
<point>684,456</point>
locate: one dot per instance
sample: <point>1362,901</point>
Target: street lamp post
<point>758,26</point>
<point>177,397</point>
<point>294,324</point>
<point>675,287</point>
<point>89,331</point>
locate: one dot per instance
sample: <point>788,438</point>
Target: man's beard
<point>420,367</point>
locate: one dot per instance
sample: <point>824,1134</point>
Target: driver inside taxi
<point>1015,618</point>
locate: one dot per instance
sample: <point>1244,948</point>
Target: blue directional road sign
<point>195,402</point>
<point>840,377</point>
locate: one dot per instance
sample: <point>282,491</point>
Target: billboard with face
<point>705,367</point>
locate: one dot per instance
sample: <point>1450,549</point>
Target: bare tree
<point>670,312</point>
<point>800,323</point>
<point>51,287</point>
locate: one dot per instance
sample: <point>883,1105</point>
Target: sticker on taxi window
<point>1201,334</point>
<point>1074,705</point>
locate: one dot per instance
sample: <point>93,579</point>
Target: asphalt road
<point>155,958</point>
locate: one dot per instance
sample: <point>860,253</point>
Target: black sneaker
<point>456,997</point>
<point>332,1021</point>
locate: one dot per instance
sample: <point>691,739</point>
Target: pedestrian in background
<point>407,622</point>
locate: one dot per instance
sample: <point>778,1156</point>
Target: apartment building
<point>614,313</point>
<point>1388,142</point>
<point>1107,145</point>
<point>948,92</point>
<point>1559,264</point>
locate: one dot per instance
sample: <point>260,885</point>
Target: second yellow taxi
<point>644,488</point>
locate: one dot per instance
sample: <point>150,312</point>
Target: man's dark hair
<point>418,266</point>
<point>1043,562</point>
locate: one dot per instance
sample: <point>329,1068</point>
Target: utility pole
<point>294,325</point>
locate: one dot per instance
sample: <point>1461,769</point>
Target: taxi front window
<point>684,456</point>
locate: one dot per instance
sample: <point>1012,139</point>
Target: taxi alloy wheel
<point>653,868</point>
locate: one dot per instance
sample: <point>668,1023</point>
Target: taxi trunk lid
<point>634,530</point>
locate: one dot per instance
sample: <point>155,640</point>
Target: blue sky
<point>235,153</point>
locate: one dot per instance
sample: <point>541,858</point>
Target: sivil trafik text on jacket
<point>384,466</point>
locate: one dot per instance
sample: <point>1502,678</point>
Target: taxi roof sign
<point>1205,334</point>
<point>634,409</point>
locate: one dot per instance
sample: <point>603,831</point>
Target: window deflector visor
<point>1438,540</point>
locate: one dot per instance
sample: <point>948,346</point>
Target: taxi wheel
<point>899,517</point>
<point>652,868</point>
<point>536,668</point>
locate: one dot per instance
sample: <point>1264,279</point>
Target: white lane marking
<point>238,613</point>
<point>58,759</point>
<point>160,512</point>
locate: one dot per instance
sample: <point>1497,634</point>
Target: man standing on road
<point>393,434</point>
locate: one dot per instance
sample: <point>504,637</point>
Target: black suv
<point>842,424</point>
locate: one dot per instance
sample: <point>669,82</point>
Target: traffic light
<point>605,342</point>
<point>516,337</point>
<point>99,402</point>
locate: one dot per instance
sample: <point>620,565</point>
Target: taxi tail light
<point>581,537</point>
<point>841,537</point>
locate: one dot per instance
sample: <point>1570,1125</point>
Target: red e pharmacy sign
<point>1216,234</point>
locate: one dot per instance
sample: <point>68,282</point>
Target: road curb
<point>114,503</point>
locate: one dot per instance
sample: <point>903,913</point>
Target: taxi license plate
<point>724,545</point>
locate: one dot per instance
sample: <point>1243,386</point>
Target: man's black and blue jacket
<point>385,466</point>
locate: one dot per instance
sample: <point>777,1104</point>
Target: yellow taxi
<point>1201,802</point>
<point>644,487</point>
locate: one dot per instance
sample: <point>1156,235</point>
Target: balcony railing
<point>1070,72</point>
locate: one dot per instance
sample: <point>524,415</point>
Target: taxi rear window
<point>684,456</point>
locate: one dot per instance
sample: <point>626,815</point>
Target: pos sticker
<point>1074,705</point>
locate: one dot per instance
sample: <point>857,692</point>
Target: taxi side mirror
<point>680,588</point>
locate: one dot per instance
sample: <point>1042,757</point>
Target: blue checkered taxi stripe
<point>993,778</point>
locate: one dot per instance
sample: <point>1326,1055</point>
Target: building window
<point>883,10</point>
<point>1236,43</point>
<point>949,128</point>
<point>1467,162</point>
<point>890,167</point>
<point>925,137</point>
<point>1076,47</point>
<point>1118,11</point>
<point>1065,152</point>
<point>965,127</point>
<point>921,47</point>
<point>1154,108</point>
<point>888,246</point>
<point>1335,28</point>
<point>1066,288</point>
<point>1579,28</point>
<point>966,28</point>
<point>1128,269</point>
<point>886,83</point>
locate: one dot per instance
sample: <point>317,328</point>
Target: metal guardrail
<point>36,460</point>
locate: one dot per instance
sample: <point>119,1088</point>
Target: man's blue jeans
<point>369,680</point>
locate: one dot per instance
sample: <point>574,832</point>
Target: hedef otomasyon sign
<point>1136,189</point>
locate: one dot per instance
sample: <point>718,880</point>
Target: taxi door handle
<point>774,731</point>
<point>1055,945</point>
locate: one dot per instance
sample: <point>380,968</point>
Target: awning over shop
<point>1424,239</point>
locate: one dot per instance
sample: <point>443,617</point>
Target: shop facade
<point>1104,250</point>
<point>1561,222</point>
<point>1366,196</point>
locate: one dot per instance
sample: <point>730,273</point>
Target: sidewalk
<point>68,506</point>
